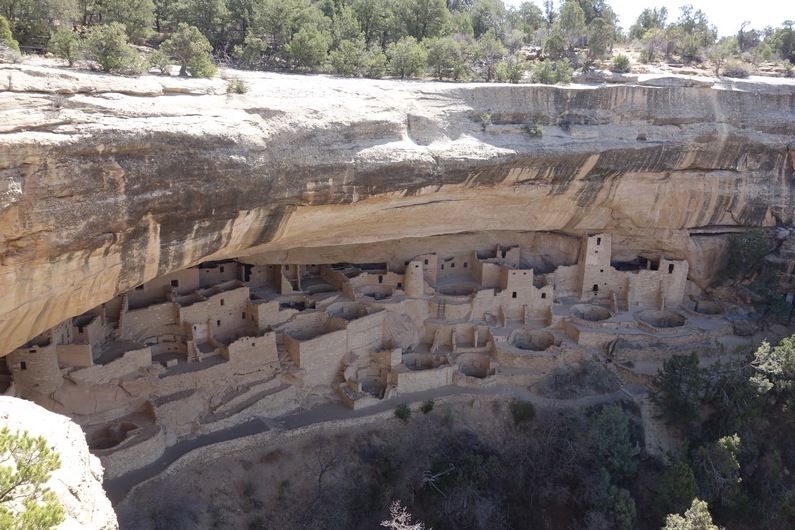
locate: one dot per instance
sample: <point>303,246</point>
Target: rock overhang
<point>107,184</point>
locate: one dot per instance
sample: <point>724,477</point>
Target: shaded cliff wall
<point>106,183</point>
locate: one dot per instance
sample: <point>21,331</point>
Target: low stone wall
<point>509,355</point>
<point>467,381</point>
<point>274,405</point>
<point>128,363</point>
<point>280,437</point>
<point>420,380</point>
<point>136,456</point>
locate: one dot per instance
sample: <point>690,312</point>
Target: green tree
<point>107,45</point>
<point>692,33</point>
<point>620,64</point>
<point>407,58</point>
<point>421,18</point>
<point>653,40</point>
<point>774,369</point>
<point>677,489</point>
<point>696,517</point>
<point>677,388</point>
<point>745,254</point>
<point>376,18</point>
<point>600,38</point>
<point>555,45</point>
<point>572,22</point>
<point>490,52</point>
<point>191,49</point>
<point>527,18</point>
<point>612,442</point>
<point>308,48</point>
<point>276,23</point>
<point>563,72</point>
<point>26,463</point>
<point>6,37</point>
<point>488,15</point>
<point>446,57</point>
<point>211,17</point>
<point>344,27</point>
<point>512,69</point>
<point>621,509</point>
<point>65,44</point>
<point>782,41</point>
<point>717,470</point>
<point>719,53</point>
<point>349,59</point>
<point>159,60</point>
<point>138,16</point>
<point>649,19</point>
<point>32,20</point>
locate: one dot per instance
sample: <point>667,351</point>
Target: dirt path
<point>117,488</point>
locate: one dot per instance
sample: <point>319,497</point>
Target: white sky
<point>727,15</point>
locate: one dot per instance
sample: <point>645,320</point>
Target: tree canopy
<point>26,463</point>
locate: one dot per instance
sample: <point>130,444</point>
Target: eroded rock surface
<point>109,182</point>
<point>78,483</point>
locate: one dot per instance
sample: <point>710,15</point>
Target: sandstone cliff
<point>108,182</point>
<point>78,483</point>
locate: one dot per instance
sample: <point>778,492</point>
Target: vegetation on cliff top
<point>445,39</point>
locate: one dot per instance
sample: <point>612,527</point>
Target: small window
<point>513,295</point>
<point>222,269</point>
<point>452,265</point>
<point>23,365</point>
<point>596,252</point>
<point>417,266</point>
<point>601,270</point>
<point>595,288</point>
<point>222,301</point>
<point>671,268</point>
<point>598,241</point>
<point>543,295</point>
<point>253,344</point>
<point>400,285</point>
<point>34,351</point>
<point>218,323</point>
<point>466,265</point>
<point>442,266</point>
<point>174,283</point>
<point>79,330</point>
<point>426,261</point>
<point>244,316</point>
<point>380,279</point>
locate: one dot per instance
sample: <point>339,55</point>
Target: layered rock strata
<point>106,183</point>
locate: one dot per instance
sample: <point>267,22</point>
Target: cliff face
<point>108,182</point>
<point>78,482</point>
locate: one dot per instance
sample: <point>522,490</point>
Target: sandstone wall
<point>110,183</point>
<point>78,483</point>
<point>128,363</point>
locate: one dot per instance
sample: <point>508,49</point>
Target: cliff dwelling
<point>214,345</point>
<point>184,269</point>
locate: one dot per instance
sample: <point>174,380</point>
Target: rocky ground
<point>78,482</point>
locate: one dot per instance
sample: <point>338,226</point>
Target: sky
<point>727,15</point>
